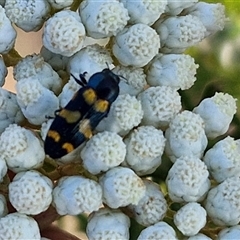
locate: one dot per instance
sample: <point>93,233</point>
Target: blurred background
<point>219,70</point>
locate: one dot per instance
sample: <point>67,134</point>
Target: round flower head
<point>75,194</point>
<point>222,203</point>
<point>144,11</point>
<point>64,33</point>
<point>152,206</point>
<point>103,151</point>
<point>34,66</point>
<point>21,149</point>
<point>68,91</point>
<point>133,80</point>
<point>217,113</point>
<point>223,159</point>
<point>91,59</point>
<point>185,136</point>
<point>179,33</point>
<point>28,15</point>
<point>10,111</point>
<point>3,207</point>
<point>160,104</point>
<point>136,45</point>
<point>145,146</point>
<point>125,113</point>
<point>160,230</point>
<point>3,168</point>
<point>30,192</point>
<point>173,70</point>
<point>18,226</point>
<point>211,15</point>
<point>199,236</point>
<point>3,71</point>
<point>229,233</point>
<point>174,7</point>
<point>108,224</point>
<point>121,187</point>
<point>35,101</point>
<point>190,219</point>
<point>59,4</point>
<point>7,32</point>
<point>103,18</point>
<point>187,180</point>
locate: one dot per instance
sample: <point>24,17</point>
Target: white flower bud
<point>59,4</point>
<point>103,18</point>
<point>174,70</point>
<point>223,159</point>
<point>64,33</point>
<point>3,69</point>
<point>36,101</point>
<point>21,149</point>
<point>145,146</point>
<point>125,113</point>
<point>10,111</point>
<point>34,66</point>
<point>185,136</point>
<point>212,15</point>
<point>160,230</point>
<point>68,91</point>
<point>28,15</point>
<point>222,203</point>
<point>19,226</point>
<point>144,11</point>
<point>229,233</point>
<point>121,187</point>
<point>152,207</point>
<point>133,80</point>
<point>91,59</point>
<point>179,33</point>
<point>45,127</point>
<point>7,32</point>
<point>3,168</point>
<point>108,224</point>
<point>3,207</point>
<point>75,194</point>
<point>136,45</point>
<point>217,113</point>
<point>103,151</point>
<point>199,236</point>
<point>30,192</point>
<point>160,105</point>
<point>187,180</point>
<point>174,7</point>
<point>190,218</point>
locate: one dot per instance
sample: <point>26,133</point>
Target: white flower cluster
<point>117,173</point>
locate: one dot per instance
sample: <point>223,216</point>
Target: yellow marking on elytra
<point>69,116</point>
<point>68,147</point>
<point>101,105</point>
<point>89,96</point>
<point>54,135</point>
<point>85,128</point>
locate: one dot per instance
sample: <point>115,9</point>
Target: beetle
<point>74,123</point>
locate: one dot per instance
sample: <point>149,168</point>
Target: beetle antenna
<point>82,81</point>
